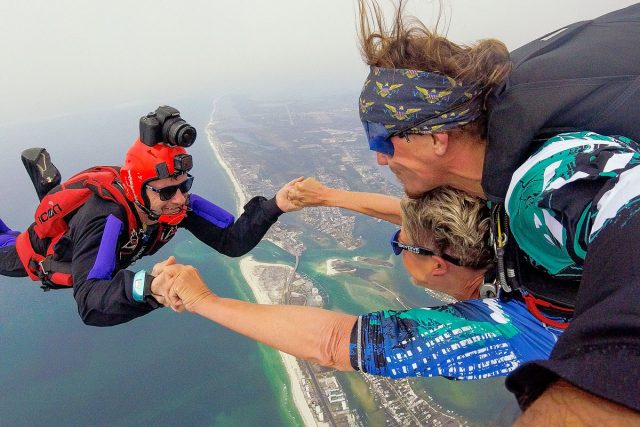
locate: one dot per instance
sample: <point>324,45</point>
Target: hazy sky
<point>66,55</point>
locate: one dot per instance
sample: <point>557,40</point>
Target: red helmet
<point>143,164</point>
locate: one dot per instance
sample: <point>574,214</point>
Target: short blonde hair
<point>452,222</point>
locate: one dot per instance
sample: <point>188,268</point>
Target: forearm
<point>239,237</point>
<point>373,204</point>
<point>108,302</point>
<point>313,334</point>
<point>101,290</point>
<point>564,404</point>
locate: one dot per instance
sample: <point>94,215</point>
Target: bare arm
<point>313,334</point>
<point>310,192</point>
<point>565,405</point>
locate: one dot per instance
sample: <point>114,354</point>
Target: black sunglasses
<point>398,247</point>
<point>167,193</point>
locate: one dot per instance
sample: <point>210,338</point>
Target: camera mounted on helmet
<point>159,153</point>
<point>166,126</point>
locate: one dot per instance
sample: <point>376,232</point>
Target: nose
<point>382,159</point>
<point>178,198</point>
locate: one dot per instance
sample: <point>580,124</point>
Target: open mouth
<point>172,211</point>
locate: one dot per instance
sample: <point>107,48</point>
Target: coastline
<point>240,195</point>
<point>247,267</point>
<point>332,271</point>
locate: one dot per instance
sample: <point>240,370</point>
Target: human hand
<point>309,192</point>
<point>159,267</point>
<point>161,284</point>
<point>282,196</point>
<point>181,287</point>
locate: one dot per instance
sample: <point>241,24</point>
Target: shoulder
<point>97,208</point>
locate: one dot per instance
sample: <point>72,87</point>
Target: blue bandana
<point>395,101</point>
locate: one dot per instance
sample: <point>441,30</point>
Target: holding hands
<point>284,201</point>
<point>309,192</point>
<point>178,286</point>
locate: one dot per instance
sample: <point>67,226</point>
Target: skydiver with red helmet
<point>90,228</point>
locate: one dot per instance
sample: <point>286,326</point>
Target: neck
<point>466,164</point>
<point>144,218</point>
<point>472,280</point>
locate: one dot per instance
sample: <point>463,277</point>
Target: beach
<point>332,270</point>
<point>241,197</point>
<point>248,268</point>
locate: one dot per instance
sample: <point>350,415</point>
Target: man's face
<point>175,203</point>
<point>427,271</point>
<point>418,266</point>
<point>414,163</point>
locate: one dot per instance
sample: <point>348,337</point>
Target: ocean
<point>167,368</point>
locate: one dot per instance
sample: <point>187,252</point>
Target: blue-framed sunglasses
<point>379,137</point>
<point>398,247</point>
<point>167,193</point>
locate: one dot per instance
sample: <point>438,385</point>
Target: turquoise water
<point>164,368</point>
<point>161,369</point>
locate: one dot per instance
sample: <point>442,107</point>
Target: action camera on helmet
<point>166,126</point>
<point>183,163</point>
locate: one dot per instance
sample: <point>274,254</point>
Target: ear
<point>440,266</point>
<point>440,143</point>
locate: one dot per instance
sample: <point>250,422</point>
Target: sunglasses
<point>398,247</point>
<point>167,193</point>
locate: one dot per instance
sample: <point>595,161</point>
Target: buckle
<point>43,270</point>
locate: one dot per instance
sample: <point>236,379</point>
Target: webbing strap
<point>532,305</point>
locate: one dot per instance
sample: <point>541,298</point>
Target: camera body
<point>166,126</point>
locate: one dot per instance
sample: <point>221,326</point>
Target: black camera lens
<point>178,132</point>
<point>166,126</point>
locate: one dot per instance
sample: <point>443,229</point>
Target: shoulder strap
<point>55,210</point>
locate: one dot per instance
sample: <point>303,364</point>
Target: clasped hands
<point>178,286</point>
<point>306,192</point>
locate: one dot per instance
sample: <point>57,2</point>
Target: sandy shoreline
<point>241,197</point>
<point>247,266</point>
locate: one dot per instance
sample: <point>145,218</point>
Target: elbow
<point>94,318</point>
<point>329,360</point>
<point>90,314</point>
<point>90,321</point>
<point>334,346</point>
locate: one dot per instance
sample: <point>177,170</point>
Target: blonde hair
<point>410,44</point>
<point>449,221</point>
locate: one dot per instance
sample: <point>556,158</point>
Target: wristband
<point>141,285</point>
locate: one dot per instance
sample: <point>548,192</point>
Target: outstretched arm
<point>418,342</point>
<point>310,192</point>
<point>313,334</point>
<point>216,228</point>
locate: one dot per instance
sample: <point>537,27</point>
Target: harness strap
<point>27,254</point>
<point>52,273</point>
<point>533,303</point>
